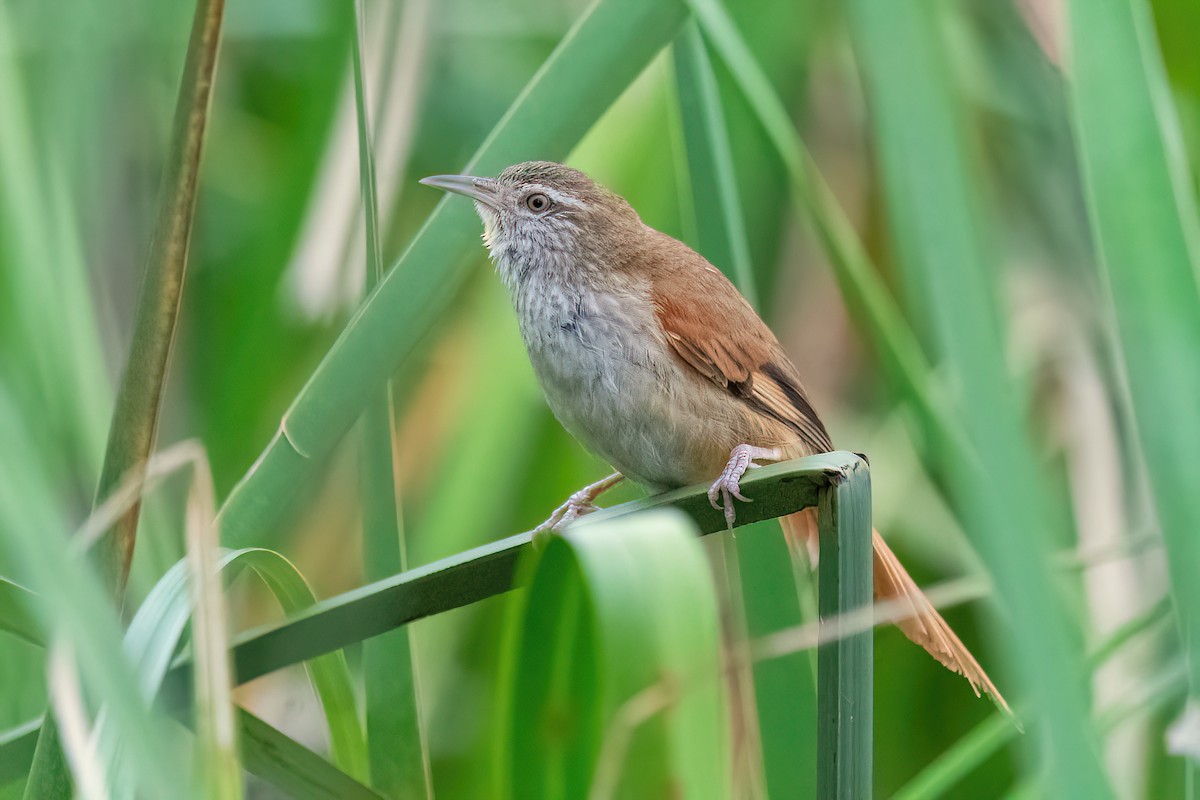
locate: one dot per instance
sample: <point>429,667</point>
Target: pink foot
<point>728,485</point>
<point>577,505</point>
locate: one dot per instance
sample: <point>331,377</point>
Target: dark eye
<point>537,203</point>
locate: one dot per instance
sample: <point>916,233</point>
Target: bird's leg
<point>728,486</point>
<point>578,504</point>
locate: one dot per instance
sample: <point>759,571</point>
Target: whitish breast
<point>610,381</point>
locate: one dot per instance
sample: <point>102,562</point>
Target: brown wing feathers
<point>742,357</point>
<point>745,359</point>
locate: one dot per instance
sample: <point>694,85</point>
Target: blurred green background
<point>276,270</point>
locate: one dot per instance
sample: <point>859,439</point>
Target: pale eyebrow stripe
<point>556,196</point>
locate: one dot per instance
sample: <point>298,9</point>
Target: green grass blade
<point>292,767</point>
<point>154,636</point>
<point>399,757</point>
<point>16,612</point>
<point>618,686</point>
<point>64,373</point>
<point>1010,517</point>
<point>156,629</point>
<point>951,767</point>
<point>217,769</point>
<point>1141,201</point>
<point>329,673</point>
<point>488,570</point>
<point>864,291</point>
<point>768,601</point>
<point>135,416</point>
<point>266,752</point>
<point>75,606</point>
<point>597,59</point>
<point>720,227</point>
<point>16,751</point>
<point>139,395</point>
<point>845,681</point>
<point>989,736</point>
<point>314,630</point>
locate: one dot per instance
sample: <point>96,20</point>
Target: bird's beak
<point>482,190</point>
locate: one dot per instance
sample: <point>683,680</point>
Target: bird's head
<point>542,218</point>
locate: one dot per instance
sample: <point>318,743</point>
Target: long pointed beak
<point>480,189</point>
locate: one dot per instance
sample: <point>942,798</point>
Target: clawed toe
<point>728,486</point>
<point>722,494</point>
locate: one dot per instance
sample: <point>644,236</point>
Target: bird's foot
<point>577,505</point>
<point>728,486</point>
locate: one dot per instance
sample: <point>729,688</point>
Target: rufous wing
<point>712,329</point>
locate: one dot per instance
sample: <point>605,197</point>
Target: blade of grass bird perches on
<point>578,81</point>
<point>485,571</point>
<point>397,750</point>
<point>139,394</point>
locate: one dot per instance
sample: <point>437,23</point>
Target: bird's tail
<point>922,624</point>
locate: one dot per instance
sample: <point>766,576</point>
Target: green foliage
<point>589,720</point>
<point>909,192</point>
<point>926,172</point>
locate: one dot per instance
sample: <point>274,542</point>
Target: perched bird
<point>651,358</point>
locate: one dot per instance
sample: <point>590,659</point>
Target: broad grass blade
<point>617,689</point>
<point>933,214</point>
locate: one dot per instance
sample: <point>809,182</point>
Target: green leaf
<point>74,605</point>
<point>330,674</point>
<point>398,754</point>
<point>845,680</point>
<point>864,291</point>
<point>16,750</point>
<point>16,612</point>
<point>156,629</point>
<point>1142,204</point>
<point>969,752</point>
<point>919,135</point>
<point>719,225</point>
<point>618,683</point>
<point>139,394</point>
<point>217,768</point>
<point>488,570</point>
<point>292,767</point>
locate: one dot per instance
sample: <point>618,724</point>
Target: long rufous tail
<point>923,625</point>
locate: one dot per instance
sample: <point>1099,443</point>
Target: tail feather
<point>923,625</point>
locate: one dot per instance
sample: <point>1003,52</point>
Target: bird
<point>651,358</point>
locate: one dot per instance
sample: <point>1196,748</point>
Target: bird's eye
<point>537,202</point>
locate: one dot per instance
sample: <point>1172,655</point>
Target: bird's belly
<point>630,402</point>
